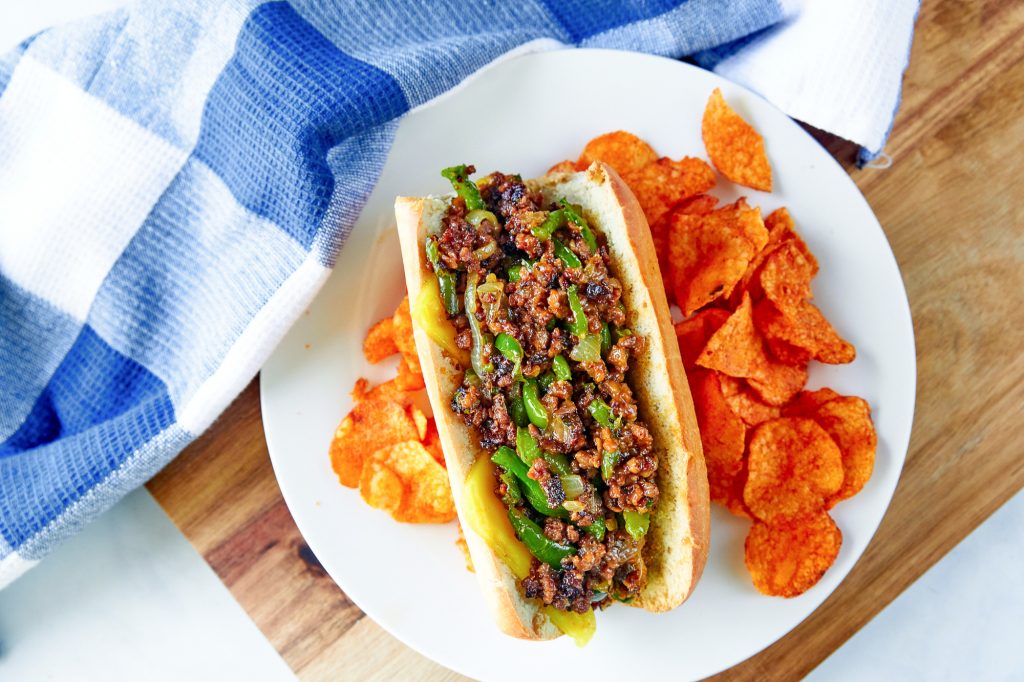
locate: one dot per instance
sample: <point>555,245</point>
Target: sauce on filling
<point>528,290</point>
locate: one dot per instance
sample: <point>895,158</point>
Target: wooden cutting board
<point>952,206</point>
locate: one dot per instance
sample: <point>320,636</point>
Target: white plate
<point>522,116</point>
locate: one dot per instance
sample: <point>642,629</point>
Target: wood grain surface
<point>952,205</point>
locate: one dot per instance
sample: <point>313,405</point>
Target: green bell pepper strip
<point>445,278</point>
<point>513,496</point>
<point>546,379</point>
<point>572,214</point>
<point>597,529</point>
<point>535,409</point>
<point>547,228</point>
<point>510,347</point>
<point>518,410</point>
<point>560,366</point>
<point>623,333</point>
<point>534,494</point>
<point>459,177</point>
<point>570,259</point>
<point>636,523</point>
<point>606,339</point>
<point>528,450</point>
<point>579,324</point>
<point>551,553</point>
<point>515,272</point>
<point>476,355</point>
<point>527,446</point>
<point>608,462</point>
<point>601,413</point>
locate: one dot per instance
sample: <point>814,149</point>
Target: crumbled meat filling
<point>590,470</point>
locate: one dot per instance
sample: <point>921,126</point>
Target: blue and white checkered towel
<point>177,178</point>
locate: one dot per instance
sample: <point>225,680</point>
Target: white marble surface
<point>129,599</point>
<point>962,620</point>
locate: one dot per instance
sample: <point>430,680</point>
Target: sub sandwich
<point>553,371</point>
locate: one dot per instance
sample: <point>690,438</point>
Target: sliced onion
<point>487,250</point>
<point>557,429</point>
<point>573,486</point>
<point>588,349</point>
<point>476,217</point>
<point>573,505</point>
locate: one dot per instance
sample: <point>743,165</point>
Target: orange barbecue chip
<point>432,442</point>
<point>787,559</point>
<point>786,277</point>
<point>566,166</point>
<point>722,434</point>
<point>847,419</point>
<point>702,204</point>
<point>709,253</point>
<point>737,349</point>
<point>372,424</point>
<point>793,468</point>
<point>380,341</point>
<point>405,480</point>
<point>693,333</point>
<point>402,330</point>
<point>623,151</point>
<point>660,185</point>
<point>802,327</point>
<point>782,229</point>
<point>807,402</point>
<point>744,401</point>
<point>410,377</point>
<point>420,420</point>
<point>734,147</point>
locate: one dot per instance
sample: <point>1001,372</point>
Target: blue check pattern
<point>142,286</point>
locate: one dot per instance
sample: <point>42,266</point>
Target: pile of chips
<point>776,454</point>
<point>387,446</point>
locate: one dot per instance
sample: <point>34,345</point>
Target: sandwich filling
<point>528,288</point>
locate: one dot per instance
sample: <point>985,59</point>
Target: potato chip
<point>693,333</point>
<point>372,424</point>
<point>420,420</point>
<point>793,468</point>
<point>781,229</point>
<point>737,349</point>
<point>786,277</point>
<point>783,351</point>
<point>380,341</point>
<point>432,442</point>
<point>422,493</point>
<point>402,330</point>
<point>722,434</point>
<point>661,185</point>
<point>702,204</point>
<point>710,253</point>
<point>410,377</point>
<point>804,327</point>
<point>744,401</point>
<point>566,166</point>
<point>848,421</point>
<point>787,559</point>
<point>623,151</point>
<point>807,402</point>
<point>389,390</point>
<point>734,147</point>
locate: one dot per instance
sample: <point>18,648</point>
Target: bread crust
<point>677,545</point>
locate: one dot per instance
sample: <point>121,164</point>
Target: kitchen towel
<point>177,179</point>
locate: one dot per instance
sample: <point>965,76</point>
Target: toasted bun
<point>677,543</point>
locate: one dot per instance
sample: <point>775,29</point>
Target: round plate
<point>523,115</point>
